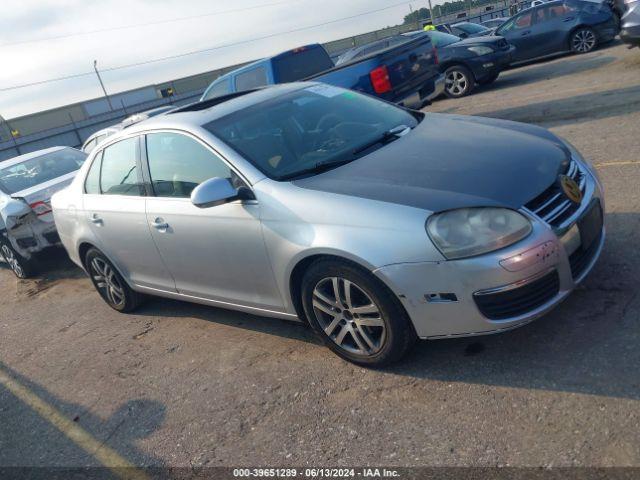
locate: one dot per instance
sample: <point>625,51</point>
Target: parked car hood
<point>451,161</point>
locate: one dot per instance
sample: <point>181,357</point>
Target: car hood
<point>451,161</point>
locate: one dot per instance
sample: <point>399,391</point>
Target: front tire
<point>583,40</point>
<point>355,314</point>
<point>20,266</point>
<point>106,279</point>
<point>459,81</point>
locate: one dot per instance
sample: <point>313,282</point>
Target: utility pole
<point>433,22</point>
<point>95,67</point>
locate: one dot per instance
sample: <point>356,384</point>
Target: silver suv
<point>375,224</point>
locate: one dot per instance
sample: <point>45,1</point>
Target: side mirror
<point>218,191</point>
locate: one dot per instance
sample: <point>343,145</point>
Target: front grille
<point>513,302</point>
<point>552,205</point>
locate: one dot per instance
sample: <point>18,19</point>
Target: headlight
<point>481,50</point>
<point>473,231</point>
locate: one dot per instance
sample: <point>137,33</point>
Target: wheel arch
<point>456,63</point>
<point>302,265</point>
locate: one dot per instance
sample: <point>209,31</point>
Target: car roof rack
<point>212,102</point>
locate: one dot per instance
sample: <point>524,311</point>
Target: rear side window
<point>253,78</point>
<point>178,164</point>
<point>92,182</point>
<point>119,173</point>
<point>300,63</point>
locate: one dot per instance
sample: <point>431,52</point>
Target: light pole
<point>10,131</point>
<point>431,13</point>
<point>95,67</point>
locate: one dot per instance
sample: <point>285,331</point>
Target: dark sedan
<point>559,27</point>
<point>469,62</point>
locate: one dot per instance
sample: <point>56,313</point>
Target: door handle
<point>568,19</point>
<point>526,33</point>
<point>159,224</point>
<point>96,220</point>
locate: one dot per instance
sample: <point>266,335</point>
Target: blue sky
<point>28,53</point>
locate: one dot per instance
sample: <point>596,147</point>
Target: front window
<point>256,77</point>
<point>222,87</point>
<point>178,164</point>
<point>288,135</point>
<point>39,170</point>
<point>517,23</point>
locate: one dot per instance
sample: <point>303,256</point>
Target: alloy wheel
<point>584,41</point>
<point>349,316</point>
<point>13,262</point>
<point>106,280</point>
<point>456,82</point>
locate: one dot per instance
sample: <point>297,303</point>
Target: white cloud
<point>35,19</point>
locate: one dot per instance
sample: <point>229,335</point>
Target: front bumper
<point>430,91</point>
<point>631,35</point>
<point>486,66</point>
<point>441,297</point>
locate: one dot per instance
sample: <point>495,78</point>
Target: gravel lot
<point>184,385</point>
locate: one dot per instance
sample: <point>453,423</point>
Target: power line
<point>148,24</point>
<point>210,49</point>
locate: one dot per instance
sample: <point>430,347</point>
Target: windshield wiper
<point>393,134</point>
<point>319,167</point>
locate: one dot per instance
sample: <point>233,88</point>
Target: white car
<point>27,183</point>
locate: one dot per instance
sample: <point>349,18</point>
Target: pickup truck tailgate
<point>411,67</point>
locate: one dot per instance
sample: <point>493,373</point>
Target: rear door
<point>554,22</point>
<point>114,206</point>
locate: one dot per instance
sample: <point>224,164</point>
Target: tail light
<point>40,208</point>
<point>380,80</point>
<point>436,60</point>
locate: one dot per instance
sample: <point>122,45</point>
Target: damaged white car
<point>27,183</point>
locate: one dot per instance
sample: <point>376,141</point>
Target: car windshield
<point>38,170</point>
<point>440,39</point>
<point>317,125</point>
<point>470,28</point>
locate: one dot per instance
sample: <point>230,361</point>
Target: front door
<point>114,205</point>
<point>214,253</point>
<point>518,32</point>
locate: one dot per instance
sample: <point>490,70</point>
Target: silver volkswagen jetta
<point>376,225</point>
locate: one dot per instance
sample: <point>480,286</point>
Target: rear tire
<point>459,81</point>
<point>106,279</point>
<point>355,314</point>
<point>583,40</point>
<point>21,267</point>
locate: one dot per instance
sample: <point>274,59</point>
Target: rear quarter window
<point>256,77</point>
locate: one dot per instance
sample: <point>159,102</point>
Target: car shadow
<point>546,70</point>
<point>36,443</point>
<point>577,109</point>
